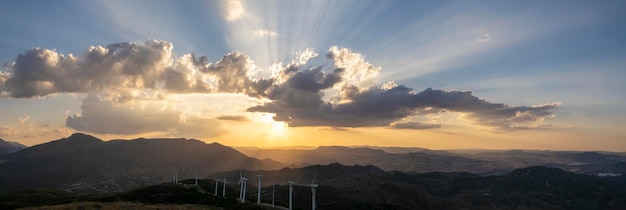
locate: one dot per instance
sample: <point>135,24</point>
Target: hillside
<point>7,147</point>
<point>86,164</point>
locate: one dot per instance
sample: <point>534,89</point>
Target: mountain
<point>7,147</point>
<point>416,162</point>
<point>17,145</point>
<point>85,164</point>
<point>579,162</point>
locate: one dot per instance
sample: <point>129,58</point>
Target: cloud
<point>299,100</point>
<point>415,125</point>
<point>483,38</point>
<point>107,117</point>
<point>3,77</point>
<point>342,93</point>
<point>234,10</point>
<point>39,72</point>
<point>233,118</point>
<point>358,72</point>
<point>6,131</point>
<point>23,119</point>
<point>265,33</point>
<point>186,76</point>
<point>232,74</point>
<point>127,66</point>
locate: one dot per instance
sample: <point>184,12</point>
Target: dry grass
<point>120,206</point>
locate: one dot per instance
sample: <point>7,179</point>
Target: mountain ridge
<point>85,164</point>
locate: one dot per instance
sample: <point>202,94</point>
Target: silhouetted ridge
<point>82,139</point>
<point>85,164</point>
<point>6,147</point>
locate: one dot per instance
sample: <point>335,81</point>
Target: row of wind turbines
<point>243,185</point>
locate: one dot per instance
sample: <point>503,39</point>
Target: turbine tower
<point>224,189</point>
<point>258,177</point>
<point>242,188</point>
<point>313,186</point>
<point>196,177</point>
<point>290,193</point>
<point>273,184</point>
<point>216,186</point>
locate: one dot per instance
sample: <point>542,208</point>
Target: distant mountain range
<point>419,160</point>
<point>84,164</point>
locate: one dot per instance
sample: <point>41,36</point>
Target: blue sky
<point>562,63</point>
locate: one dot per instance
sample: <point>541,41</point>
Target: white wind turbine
<point>216,186</point>
<point>258,177</point>
<point>291,192</point>
<point>313,186</point>
<point>242,188</point>
<point>224,189</point>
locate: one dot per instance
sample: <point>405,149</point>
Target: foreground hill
<point>86,164</point>
<point>368,187</point>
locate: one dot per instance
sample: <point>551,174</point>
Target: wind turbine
<point>291,192</point>
<point>196,177</point>
<point>313,186</point>
<point>258,177</point>
<point>242,188</point>
<point>224,189</point>
<point>273,184</point>
<point>216,186</point>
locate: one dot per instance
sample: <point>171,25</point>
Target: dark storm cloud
<point>382,107</point>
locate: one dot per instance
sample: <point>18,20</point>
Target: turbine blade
<point>315,175</point>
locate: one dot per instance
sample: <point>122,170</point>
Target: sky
<point>546,75</point>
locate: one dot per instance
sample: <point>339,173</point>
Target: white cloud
<point>23,119</point>
<point>483,38</point>
<point>234,10</point>
<point>265,33</point>
<point>357,70</point>
<point>39,72</point>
